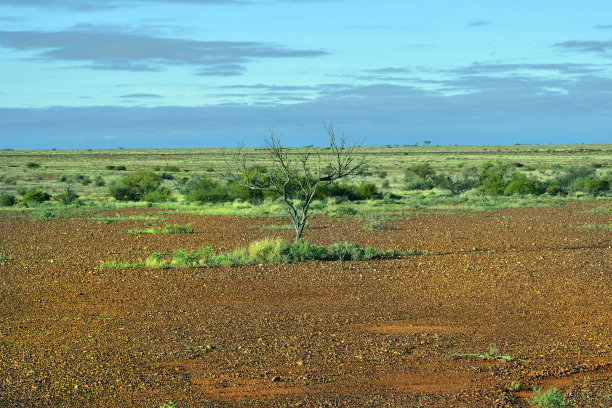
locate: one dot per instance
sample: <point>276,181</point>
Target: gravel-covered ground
<point>524,285</point>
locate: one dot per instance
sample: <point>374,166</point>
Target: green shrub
<point>345,210</point>
<point>135,186</point>
<point>597,186</point>
<point>205,190</point>
<point>520,184</point>
<point>303,251</point>
<point>175,169</point>
<point>166,176</point>
<point>550,399</point>
<point>35,196</point>
<point>345,251</point>
<point>342,190</point>
<point>555,190</point>
<point>7,200</point>
<point>32,165</point>
<point>99,181</point>
<point>417,183</point>
<point>162,194</point>
<point>46,215</point>
<point>423,171</point>
<point>83,179</point>
<point>368,191</point>
<point>267,250</point>
<point>68,197</point>
<point>117,168</point>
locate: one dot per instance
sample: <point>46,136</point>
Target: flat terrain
<point>510,299</point>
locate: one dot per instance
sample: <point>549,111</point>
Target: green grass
<point>550,399</point>
<point>388,163</point>
<point>5,253</point>
<point>265,251</point>
<point>594,227</point>
<point>167,229</point>
<point>492,354</point>
<point>118,218</point>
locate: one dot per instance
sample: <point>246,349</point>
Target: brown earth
<point>412,332</point>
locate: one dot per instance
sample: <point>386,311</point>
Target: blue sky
<point>213,73</point>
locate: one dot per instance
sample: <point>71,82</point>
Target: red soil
<point>403,332</point>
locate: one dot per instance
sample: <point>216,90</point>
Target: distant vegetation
<point>407,175</point>
<point>502,178</point>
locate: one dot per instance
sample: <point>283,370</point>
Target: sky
<point>82,74</point>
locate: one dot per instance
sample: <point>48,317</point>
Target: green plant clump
<point>7,200</point>
<point>168,229</point>
<point>268,250</point>
<point>550,399</point>
<point>35,196</point>
<point>135,186</point>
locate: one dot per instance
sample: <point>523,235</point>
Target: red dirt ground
<point>405,332</point>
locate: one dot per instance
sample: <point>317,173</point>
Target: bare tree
<point>295,176</point>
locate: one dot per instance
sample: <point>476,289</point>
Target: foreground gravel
<point>524,285</point>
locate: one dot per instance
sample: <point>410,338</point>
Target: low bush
<point>267,250</point>
<point>597,186</point>
<point>99,181</point>
<point>303,251</point>
<point>550,399</point>
<point>166,176</point>
<point>368,191</point>
<point>32,165</point>
<point>83,179</point>
<point>175,169</point>
<point>35,196</point>
<point>67,197</point>
<point>161,195</point>
<point>520,184</point>
<point>7,200</point>
<point>116,168</point>
<point>345,210</point>
<point>135,186</point>
<point>345,251</point>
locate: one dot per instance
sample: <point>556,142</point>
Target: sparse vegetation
<point>32,165</point>
<point>265,251</point>
<point>7,199</point>
<point>119,218</point>
<point>35,196</point>
<point>550,399</point>
<point>135,186</point>
<point>492,354</point>
<point>167,229</point>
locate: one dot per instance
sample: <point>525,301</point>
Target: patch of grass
<point>492,354</point>
<point>269,250</point>
<point>376,222</point>
<point>550,399</point>
<point>46,215</point>
<point>167,229</point>
<point>5,253</point>
<point>595,227</point>
<point>118,218</point>
<point>598,210</point>
<point>276,227</point>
